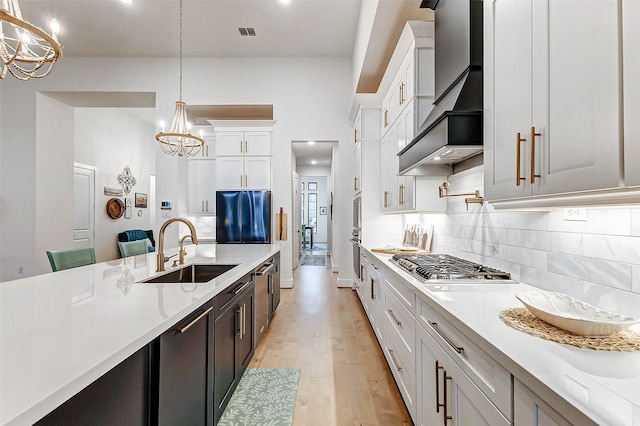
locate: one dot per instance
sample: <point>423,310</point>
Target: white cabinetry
<point>243,173</point>
<point>530,410</point>
<point>552,98</point>
<point>243,143</point>
<point>366,136</point>
<point>457,381</point>
<point>408,100</point>
<point>243,160</point>
<point>631,53</point>
<point>201,193</point>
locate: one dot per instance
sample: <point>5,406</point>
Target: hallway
<point>323,330</point>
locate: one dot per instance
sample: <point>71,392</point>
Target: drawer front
<point>402,366</point>
<point>399,321</point>
<point>492,379</point>
<point>404,293</point>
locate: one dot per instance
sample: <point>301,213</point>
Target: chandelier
<point>27,51</point>
<point>178,140</point>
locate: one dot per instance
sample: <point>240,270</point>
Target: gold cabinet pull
<point>207,205</point>
<point>198,318</point>
<point>355,183</point>
<point>355,135</point>
<point>533,154</point>
<point>240,147</point>
<point>438,368</point>
<point>445,416</point>
<point>386,118</point>
<point>386,194</point>
<point>246,147</point>
<point>401,195</point>
<point>202,207</point>
<point>401,98</point>
<point>519,140</point>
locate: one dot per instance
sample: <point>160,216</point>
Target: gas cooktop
<point>437,267</point>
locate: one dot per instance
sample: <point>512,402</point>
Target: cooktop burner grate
<point>447,267</point>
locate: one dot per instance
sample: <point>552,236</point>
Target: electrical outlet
<point>576,214</point>
<point>20,270</point>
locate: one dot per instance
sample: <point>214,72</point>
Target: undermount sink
<point>192,274</point>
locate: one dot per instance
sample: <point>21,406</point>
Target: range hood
<point>453,129</point>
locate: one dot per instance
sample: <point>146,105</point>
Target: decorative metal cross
<point>127,180</point>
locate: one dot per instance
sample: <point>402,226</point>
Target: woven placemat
<point>523,320</point>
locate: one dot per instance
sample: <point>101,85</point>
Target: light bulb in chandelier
<point>26,51</point>
<point>178,140</point>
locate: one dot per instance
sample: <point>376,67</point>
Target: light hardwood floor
<point>323,330</point>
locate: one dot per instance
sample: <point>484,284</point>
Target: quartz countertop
<point>63,330</point>
<point>602,385</point>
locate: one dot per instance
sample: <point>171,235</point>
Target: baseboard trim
<point>286,283</point>
<point>342,282</point>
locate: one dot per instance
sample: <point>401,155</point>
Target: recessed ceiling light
<point>311,142</point>
<point>127,1</point>
<point>284,1</point>
<point>313,161</point>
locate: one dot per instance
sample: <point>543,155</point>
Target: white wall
<point>582,259</point>
<point>311,98</point>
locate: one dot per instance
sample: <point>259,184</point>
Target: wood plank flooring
<point>323,330</point>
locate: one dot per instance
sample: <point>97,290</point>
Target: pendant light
<point>26,50</point>
<point>178,140</point>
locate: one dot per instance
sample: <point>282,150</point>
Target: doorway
<point>313,180</point>
<point>83,205</point>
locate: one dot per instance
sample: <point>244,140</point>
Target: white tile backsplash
<point>583,259</point>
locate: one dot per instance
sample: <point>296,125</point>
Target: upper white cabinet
<point>240,173</point>
<point>201,193</point>
<point>208,150</point>
<point>631,54</point>
<point>552,98</point>
<point>366,127</point>
<point>243,143</point>
<point>410,84</point>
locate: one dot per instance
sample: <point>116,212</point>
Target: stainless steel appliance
<point>264,277</point>
<point>444,268</point>
<point>355,241</point>
<point>357,213</point>
<point>243,217</point>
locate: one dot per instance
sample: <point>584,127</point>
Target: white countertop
<point>61,331</point>
<point>605,386</point>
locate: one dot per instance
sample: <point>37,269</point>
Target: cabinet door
<point>375,300</point>
<point>257,143</point>
<point>631,45</point>
<point>229,143</point>
<point>429,363</point>
<point>385,167</point>
<point>185,380</point>
<point>529,410</point>
<point>508,96</point>
<point>257,172</point>
<point>201,187</point>
<point>225,370</point>
<point>576,95</point>
<point>357,177</point>
<point>245,338</point>
<point>230,173</point>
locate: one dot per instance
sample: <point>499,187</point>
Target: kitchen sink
<point>196,273</point>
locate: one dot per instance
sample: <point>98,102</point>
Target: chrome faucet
<point>160,258</point>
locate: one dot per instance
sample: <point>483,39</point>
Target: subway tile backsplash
<point>597,260</point>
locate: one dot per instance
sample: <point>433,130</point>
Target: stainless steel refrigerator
<point>243,217</point>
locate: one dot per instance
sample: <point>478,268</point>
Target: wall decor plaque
<point>115,208</point>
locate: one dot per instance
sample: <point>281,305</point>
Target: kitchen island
<point>543,382</point>
<point>62,331</point>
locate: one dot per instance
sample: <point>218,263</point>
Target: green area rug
<point>264,396</point>
<point>313,260</point>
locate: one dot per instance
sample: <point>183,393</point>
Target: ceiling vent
<point>248,31</point>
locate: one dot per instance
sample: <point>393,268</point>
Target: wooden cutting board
<point>400,251</point>
<point>281,225</point>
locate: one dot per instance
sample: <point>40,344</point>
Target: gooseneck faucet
<point>160,258</point>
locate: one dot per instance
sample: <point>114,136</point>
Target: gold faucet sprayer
<point>160,258</point>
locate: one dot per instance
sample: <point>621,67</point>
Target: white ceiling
<point>319,151</point>
<point>151,27</point>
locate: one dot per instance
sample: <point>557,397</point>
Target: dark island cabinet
<point>233,339</point>
<point>120,397</point>
<point>184,357</point>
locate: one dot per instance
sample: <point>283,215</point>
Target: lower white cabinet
<point>243,173</point>
<point>530,410</point>
<point>375,296</point>
<point>445,394</point>
<point>201,192</point>
<point>399,345</point>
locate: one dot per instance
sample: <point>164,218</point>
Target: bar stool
<point>132,248</point>
<point>71,258</point>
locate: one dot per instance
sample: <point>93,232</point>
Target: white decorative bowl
<point>573,315</point>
